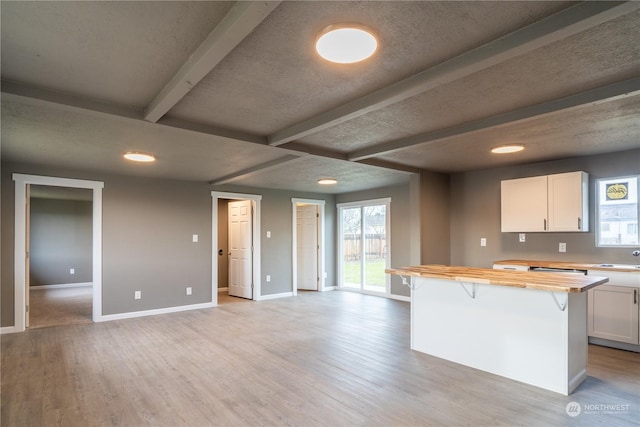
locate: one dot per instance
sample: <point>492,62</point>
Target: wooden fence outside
<point>375,246</point>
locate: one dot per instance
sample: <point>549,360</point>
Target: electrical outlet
<point>188,290</point>
<point>522,237</point>
<point>268,277</point>
<point>137,295</point>
<point>268,234</point>
<point>562,247</point>
<point>72,271</point>
<point>483,241</point>
<point>195,238</point>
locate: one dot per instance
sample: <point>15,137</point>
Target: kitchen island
<point>527,326</point>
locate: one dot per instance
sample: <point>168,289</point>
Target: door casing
<point>256,202</point>
<point>20,245</point>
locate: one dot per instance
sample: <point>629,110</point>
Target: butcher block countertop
<point>570,265</point>
<point>556,282</point>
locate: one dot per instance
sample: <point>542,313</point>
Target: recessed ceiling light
<point>327,181</point>
<point>346,43</point>
<point>505,149</point>
<point>137,156</point>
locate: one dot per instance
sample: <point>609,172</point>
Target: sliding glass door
<point>364,245</point>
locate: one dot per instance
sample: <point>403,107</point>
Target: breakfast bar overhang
<point>526,326</point>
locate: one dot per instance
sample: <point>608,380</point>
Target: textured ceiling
<point>227,92</point>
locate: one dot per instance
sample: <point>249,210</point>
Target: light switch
<point>522,237</point>
<point>195,238</point>
<point>483,241</point>
<point>72,271</point>
<point>268,234</point>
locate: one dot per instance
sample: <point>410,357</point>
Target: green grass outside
<point>375,275</point>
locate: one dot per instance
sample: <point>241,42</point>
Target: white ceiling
<point>227,92</point>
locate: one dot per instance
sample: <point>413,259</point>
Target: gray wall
<point>60,240</point>
<point>147,240</point>
<point>148,226</point>
<point>475,213</point>
<point>435,222</point>
<point>400,229</point>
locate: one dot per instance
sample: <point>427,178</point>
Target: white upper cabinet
<point>524,204</point>
<point>546,203</point>
<point>568,201</point>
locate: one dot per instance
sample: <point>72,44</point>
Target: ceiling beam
<point>239,22</point>
<point>563,24</point>
<point>611,92</point>
<point>258,169</point>
<point>389,165</point>
<point>68,102</point>
<point>314,150</point>
<point>212,130</point>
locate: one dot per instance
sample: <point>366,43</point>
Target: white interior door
<point>240,250</point>
<point>307,246</point>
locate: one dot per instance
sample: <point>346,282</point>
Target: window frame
<point>597,205</point>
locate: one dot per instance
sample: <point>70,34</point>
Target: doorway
<point>242,253</point>
<point>308,245</point>
<point>22,187</point>
<point>58,270</point>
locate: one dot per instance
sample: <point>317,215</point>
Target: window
<point>364,243</point>
<point>617,211</point>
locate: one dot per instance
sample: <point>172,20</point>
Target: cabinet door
<point>524,204</point>
<point>613,313</point>
<point>568,207</point>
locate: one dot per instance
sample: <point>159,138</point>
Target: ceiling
<point>233,93</point>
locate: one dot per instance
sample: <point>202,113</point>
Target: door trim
<point>21,182</point>
<point>256,199</point>
<point>294,233</point>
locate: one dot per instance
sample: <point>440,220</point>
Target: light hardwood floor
<point>318,359</point>
<point>60,306</point>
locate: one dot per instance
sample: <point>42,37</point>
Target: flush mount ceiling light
<point>137,156</point>
<point>346,43</point>
<point>327,181</point>
<point>506,149</point>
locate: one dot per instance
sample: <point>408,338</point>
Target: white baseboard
<point>328,288</point>
<point>223,289</point>
<point>61,286</point>
<point>154,312</point>
<point>8,330</point>
<point>400,297</point>
<point>274,296</point>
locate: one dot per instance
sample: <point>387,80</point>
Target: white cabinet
<point>524,204</point>
<point>545,203</point>
<point>613,311</point>
<point>568,207</point>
